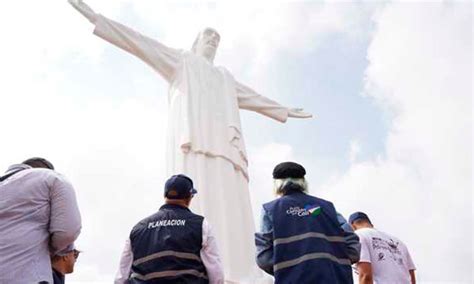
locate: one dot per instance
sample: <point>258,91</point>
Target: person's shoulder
<point>144,222</point>
<point>197,215</point>
<point>272,203</point>
<point>149,217</point>
<point>383,234</point>
<point>366,232</point>
<point>50,176</point>
<point>56,178</point>
<point>321,200</point>
<point>393,238</point>
<point>39,171</point>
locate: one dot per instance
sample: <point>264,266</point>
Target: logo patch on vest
<point>308,210</point>
<point>166,223</point>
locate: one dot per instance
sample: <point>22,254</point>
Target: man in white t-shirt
<point>383,258</point>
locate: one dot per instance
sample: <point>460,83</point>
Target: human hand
<point>84,9</point>
<point>298,113</point>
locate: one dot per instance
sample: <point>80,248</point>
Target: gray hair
<point>282,186</point>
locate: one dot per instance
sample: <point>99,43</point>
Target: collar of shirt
<point>17,167</point>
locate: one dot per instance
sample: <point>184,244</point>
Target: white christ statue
<point>204,138</point>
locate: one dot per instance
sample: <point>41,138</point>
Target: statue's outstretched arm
<point>161,58</point>
<point>84,9</point>
<point>250,100</point>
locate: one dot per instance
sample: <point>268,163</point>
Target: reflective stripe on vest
<point>169,253</point>
<point>168,273</point>
<point>308,248</point>
<point>178,254</point>
<point>310,256</point>
<point>308,235</point>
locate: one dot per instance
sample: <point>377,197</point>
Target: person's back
<point>302,239</point>
<point>311,246</point>
<point>389,256</point>
<point>170,240</point>
<point>174,245</point>
<point>383,257</point>
<point>38,216</point>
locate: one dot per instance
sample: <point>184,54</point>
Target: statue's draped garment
<point>205,140</point>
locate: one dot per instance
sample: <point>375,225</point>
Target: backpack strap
<point>9,175</point>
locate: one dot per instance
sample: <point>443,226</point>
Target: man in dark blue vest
<point>173,245</point>
<point>303,239</point>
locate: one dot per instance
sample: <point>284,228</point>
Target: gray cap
<point>66,250</point>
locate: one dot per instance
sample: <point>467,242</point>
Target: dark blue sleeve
<point>351,239</point>
<point>264,243</point>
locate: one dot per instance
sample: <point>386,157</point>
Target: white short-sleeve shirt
<point>389,257</point>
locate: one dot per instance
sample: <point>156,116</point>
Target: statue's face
<point>207,43</point>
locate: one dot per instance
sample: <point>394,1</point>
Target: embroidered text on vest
<point>164,223</point>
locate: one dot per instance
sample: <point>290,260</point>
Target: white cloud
<point>354,150</point>
<point>420,70</point>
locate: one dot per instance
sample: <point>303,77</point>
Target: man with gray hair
<point>39,217</point>
<point>303,239</point>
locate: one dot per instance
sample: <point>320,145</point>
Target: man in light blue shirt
<point>39,216</point>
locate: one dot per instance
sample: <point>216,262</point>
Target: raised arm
<point>250,100</point>
<point>161,58</point>
<point>84,9</point>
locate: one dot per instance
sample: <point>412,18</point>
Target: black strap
<point>9,175</point>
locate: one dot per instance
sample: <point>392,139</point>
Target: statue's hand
<point>298,113</point>
<point>84,9</point>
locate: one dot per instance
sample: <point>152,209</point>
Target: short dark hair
<point>362,221</point>
<point>38,162</point>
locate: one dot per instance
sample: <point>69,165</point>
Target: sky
<point>389,85</point>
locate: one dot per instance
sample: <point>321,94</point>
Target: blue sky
<point>390,86</point>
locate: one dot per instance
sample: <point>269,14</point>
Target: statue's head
<point>206,43</point>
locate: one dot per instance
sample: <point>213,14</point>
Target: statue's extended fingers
<point>297,109</point>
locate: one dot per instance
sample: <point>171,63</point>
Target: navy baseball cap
<point>358,216</point>
<point>179,187</point>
